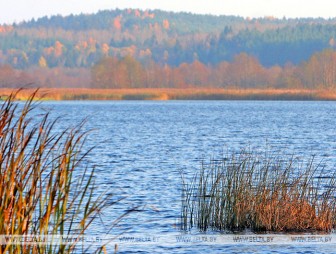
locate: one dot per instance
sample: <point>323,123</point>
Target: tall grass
<point>175,94</point>
<point>45,186</point>
<point>247,191</point>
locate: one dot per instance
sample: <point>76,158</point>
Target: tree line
<point>245,71</point>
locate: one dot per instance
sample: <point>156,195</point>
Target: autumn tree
<point>113,73</point>
<point>290,77</point>
<point>134,72</point>
<point>195,74</point>
<point>9,77</point>
<point>104,74</point>
<point>320,70</point>
<point>245,71</point>
<point>219,76</point>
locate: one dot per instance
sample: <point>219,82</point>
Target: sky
<point>19,10</point>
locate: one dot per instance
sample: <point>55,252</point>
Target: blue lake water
<point>141,148</point>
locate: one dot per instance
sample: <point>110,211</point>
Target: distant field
<point>173,94</point>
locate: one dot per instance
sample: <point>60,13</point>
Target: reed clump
<point>194,93</point>
<point>46,188</point>
<point>246,191</point>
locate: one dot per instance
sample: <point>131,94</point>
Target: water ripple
<point>142,146</point>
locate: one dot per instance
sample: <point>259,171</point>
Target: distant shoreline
<point>160,94</point>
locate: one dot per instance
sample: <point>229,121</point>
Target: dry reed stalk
<point>45,187</point>
<point>246,191</point>
<point>173,94</point>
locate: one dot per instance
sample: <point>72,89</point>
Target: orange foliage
<point>245,71</point>
<point>148,15</point>
<point>92,41</point>
<point>92,44</point>
<point>117,23</point>
<point>137,13</point>
<point>105,49</point>
<point>48,51</point>
<point>5,29</point>
<point>58,49</point>
<point>166,24</point>
<point>145,53</point>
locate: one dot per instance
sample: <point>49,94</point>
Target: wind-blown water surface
<point>141,147</point>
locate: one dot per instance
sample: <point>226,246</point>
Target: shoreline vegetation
<point>64,94</point>
<point>261,193</point>
<point>47,186</point>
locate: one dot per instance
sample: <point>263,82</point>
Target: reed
<point>46,188</point>
<point>196,93</point>
<point>246,191</point>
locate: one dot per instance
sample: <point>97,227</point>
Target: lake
<point>141,147</point>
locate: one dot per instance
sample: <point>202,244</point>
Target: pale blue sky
<point>18,10</point>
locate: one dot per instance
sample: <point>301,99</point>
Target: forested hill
<point>153,48</point>
<point>165,37</point>
<point>179,23</point>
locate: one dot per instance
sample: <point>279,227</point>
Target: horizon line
<point>64,15</point>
